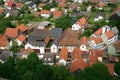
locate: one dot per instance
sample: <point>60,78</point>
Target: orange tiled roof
<point>110,67</point>
<point>1,10</point>
<point>44,12</point>
<point>76,54</point>
<point>83,40</point>
<point>64,53</point>
<point>21,38</point>
<point>97,40</point>
<point>10,3</point>
<point>101,4</point>
<point>57,14</point>
<point>98,32</point>
<point>92,58</point>
<point>11,32</point>
<point>82,21</point>
<point>109,34</point>
<point>18,4</point>
<point>22,27</point>
<point>3,41</point>
<point>41,5</point>
<point>78,64</point>
<point>62,5</point>
<point>63,1</point>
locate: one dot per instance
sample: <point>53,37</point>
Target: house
<point>1,10</point>
<point>110,67</point>
<point>13,12</point>
<point>96,42</point>
<point>11,32</point>
<point>41,5</point>
<point>99,16</point>
<point>49,58</point>
<point>73,7</point>
<point>100,5</point>
<point>77,63</point>
<point>83,43</point>
<point>63,56</point>
<point>22,27</point>
<point>26,52</point>
<point>79,1</point>
<point>19,5</point>
<point>68,39</point>
<point>20,39</point>
<point>57,14</point>
<point>45,13</point>
<point>36,43</point>
<point>110,36</point>
<point>9,4</point>
<point>115,14</point>
<point>3,42</point>
<point>98,53</point>
<point>4,55</point>
<point>80,24</point>
<point>61,5</point>
<point>92,58</point>
<point>114,48</point>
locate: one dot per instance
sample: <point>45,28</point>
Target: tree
<point>96,72</point>
<point>60,73</point>
<point>64,22</point>
<point>117,69</point>
<point>1,2</point>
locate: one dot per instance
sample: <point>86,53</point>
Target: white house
<point>63,56</point>
<point>36,45</point>
<point>54,48</point>
<point>45,13</point>
<point>80,24</point>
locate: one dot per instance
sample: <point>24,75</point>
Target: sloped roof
<point>117,45</point>
<point>11,32</point>
<point>21,38</point>
<point>109,34</point>
<point>83,40</point>
<point>3,41</point>
<point>64,53</point>
<point>110,67</point>
<point>44,12</point>
<point>57,14</point>
<point>22,27</point>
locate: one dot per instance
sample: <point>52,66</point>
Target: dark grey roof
<point>48,58</point>
<point>41,33</point>
<point>115,30</point>
<point>35,43</point>
<point>5,54</point>
<point>77,14</point>
<point>100,14</point>
<point>13,12</point>
<point>56,32</point>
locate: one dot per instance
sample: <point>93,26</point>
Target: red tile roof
<point>64,53</point>
<point>117,45</point>
<point>41,5</point>
<point>92,58</point>
<point>83,40</point>
<point>1,10</point>
<point>76,54</point>
<point>10,3</point>
<point>3,41</point>
<point>109,34</point>
<point>98,53</point>
<point>98,32</point>
<point>19,4</point>
<point>78,64</point>
<point>100,4</point>
<point>22,27</point>
<point>97,40</point>
<point>57,14</point>
<point>63,1</point>
<point>110,67</point>
<point>62,5</point>
<point>82,21</point>
<point>11,32</point>
<point>21,38</point>
<point>44,12</point>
